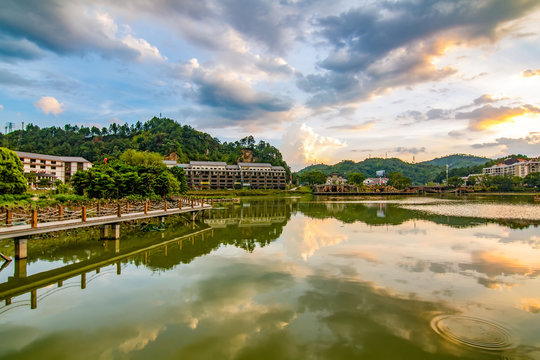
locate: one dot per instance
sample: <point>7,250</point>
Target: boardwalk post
<point>179,204</point>
<point>34,220</point>
<point>98,209</point>
<point>83,281</point>
<point>165,205</point>
<point>33,299</point>
<point>119,210</point>
<point>83,213</point>
<point>127,208</point>
<point>104,231</point>
<point>19,271</point>
<point>116,231</point>
<point>146,207</point>
<point>192,203</point>
<point>9,214</point>
<point>212,202</point>
<point>60,212</point>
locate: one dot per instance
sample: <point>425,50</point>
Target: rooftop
<point>23,154</point>
<point>254,164</point>
<point>208,163</point>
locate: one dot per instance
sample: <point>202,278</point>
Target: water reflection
<point>286,279</point>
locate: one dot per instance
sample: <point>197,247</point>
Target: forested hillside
<point>418,173</point>
<point>161,135</point>
<point>477,169</point>
<point>457,161</point>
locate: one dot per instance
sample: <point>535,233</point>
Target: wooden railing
<point>33,216</point>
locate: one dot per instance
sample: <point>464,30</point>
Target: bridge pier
<point>20,268</point>
<point>110,231</point>
<point>20,248</point>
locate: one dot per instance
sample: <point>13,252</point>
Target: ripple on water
<point>473,332</point>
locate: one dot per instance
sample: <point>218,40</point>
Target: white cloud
<point>1,107</point>
<point>110,30</point>
<point>302,146</point>
<point>48,104</point>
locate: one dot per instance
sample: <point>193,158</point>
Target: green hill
<point>457,161</point>
<point>161,135</point>
<point>419,173</point>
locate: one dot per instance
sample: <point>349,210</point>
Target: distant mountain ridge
<point>457,161</point>
<point>420,173</point>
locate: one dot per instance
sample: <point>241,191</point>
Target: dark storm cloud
<point>388,44</point>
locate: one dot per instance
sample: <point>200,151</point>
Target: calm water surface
<point>317,278</point>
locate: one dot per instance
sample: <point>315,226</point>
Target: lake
<point>287,278</point>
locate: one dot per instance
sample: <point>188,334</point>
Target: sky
<point>323,81</point>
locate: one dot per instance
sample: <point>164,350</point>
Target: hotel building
<point>519,168</point>
<point>53,167</point>
<point>219,175</point>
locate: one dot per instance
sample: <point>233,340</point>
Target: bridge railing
<point>32,216</point>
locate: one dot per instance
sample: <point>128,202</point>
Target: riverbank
<point>233,193</point>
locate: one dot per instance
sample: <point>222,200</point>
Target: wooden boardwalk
<point>19,285</point>
<point>21,231</point>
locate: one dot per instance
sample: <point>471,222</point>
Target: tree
<point>165,183</point>
<point>313,177</point>
<point>31,177</point>
<point>398,181</point>
<point>532,180</point>
<point>180,175</point>
<point>142,158</point>
<point>356,178</point>
<point>455,181</point>
<point>12,180</point>
<point>44,182</point>
<point>472,180</point>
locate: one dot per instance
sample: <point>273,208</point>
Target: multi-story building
<point>53,167</point>
<point>219,175</point>
<point>520,167</point>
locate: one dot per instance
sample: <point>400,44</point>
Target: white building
<point>376,181</point>
<point>335,179</point>
<point>53,167</point>
<point>519,168</point>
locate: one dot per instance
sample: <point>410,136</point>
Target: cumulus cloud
<point>525,145</point>
<point>488,116</point>
<point>302,146</point>
<point>411,150</point>
<point>531,73</point>
<point>483,116</point>
<point>230,97</point>
<point>49,104</point>
<point>384,45</point>
<point>67,28</point>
